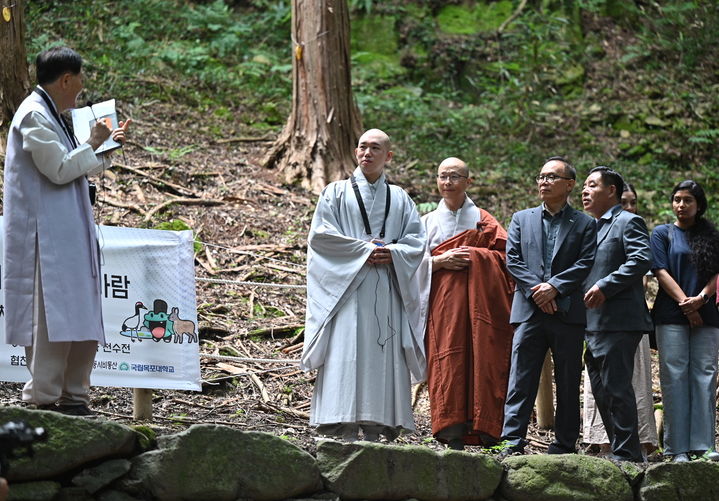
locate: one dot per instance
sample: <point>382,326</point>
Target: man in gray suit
<point>617,315</point>
<point>550,250</point>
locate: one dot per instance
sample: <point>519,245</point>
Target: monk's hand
<point>594,297</point>
<point>454,259</point>
<point>690,304</point>
<point>380,255</point>
<point>544,293</point>
<point>695,319</point>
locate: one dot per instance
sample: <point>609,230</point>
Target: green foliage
<point>629,84</point>
<point>179,225</point>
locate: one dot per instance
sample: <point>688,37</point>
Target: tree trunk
<point>545,396</point>
<point>14,78</point>
<point>318,141</point>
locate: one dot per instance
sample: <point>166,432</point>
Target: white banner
<point>149,311</point>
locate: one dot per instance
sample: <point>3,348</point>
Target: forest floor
<point>255,230</point>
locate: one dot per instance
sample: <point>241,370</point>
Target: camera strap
<point>363,211</point>
<point>57,116</point>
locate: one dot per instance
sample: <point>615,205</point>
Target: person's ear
<point>389,156</point>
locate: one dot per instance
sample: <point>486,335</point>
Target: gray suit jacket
<point>622,259</point>
<point>572,260</point>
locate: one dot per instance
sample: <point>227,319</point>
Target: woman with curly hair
<point>686,262</point>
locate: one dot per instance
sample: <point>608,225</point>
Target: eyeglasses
<point>550,178</point>
<point>452,178</point>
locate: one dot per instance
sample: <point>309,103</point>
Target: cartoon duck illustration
<point>132,324</point>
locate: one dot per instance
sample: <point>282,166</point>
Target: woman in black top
<point>685,262</point>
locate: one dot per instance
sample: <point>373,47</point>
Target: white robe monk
<point>361,328</point>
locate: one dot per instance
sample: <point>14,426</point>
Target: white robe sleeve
<point>334,267</point>
<point>50,156</point>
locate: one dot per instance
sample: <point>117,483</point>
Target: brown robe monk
<point>469,338</point>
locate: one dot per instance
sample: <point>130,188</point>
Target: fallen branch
<point>181,190</point>
<point>260,386</point>
<point>181,201</point>
<point>244,140</point>
<point>121,205</point>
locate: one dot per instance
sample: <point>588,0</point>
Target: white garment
<point>359,328</point>
<point>48,218</point>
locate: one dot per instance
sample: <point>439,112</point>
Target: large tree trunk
<point>318,141</point>
<point>14,79</point>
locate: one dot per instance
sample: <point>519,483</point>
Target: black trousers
<point>531,341</point>
<point>610,363</point>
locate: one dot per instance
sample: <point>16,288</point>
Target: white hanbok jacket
<point>48,221</point>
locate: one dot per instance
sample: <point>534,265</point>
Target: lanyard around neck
<point>363,211</point>
<point>59,118</point>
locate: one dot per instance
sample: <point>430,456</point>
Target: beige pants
<point>59,372</point>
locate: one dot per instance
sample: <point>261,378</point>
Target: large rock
<point>567,477</point>
<point>34,491</point>
<point>71,442</point>
<point>218,463</point>
<point>95,478</point>
<point>372,471</point>
<point>681,481</point>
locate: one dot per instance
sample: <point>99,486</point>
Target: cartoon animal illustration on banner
<point>157,325</point>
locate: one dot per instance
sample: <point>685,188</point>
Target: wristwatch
<point>704,297</point>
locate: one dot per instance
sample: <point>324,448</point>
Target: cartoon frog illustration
<point>158,322</point>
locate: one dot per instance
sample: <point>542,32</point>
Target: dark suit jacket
<point>622,259</point>
<point>571,263</point>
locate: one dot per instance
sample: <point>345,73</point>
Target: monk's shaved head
<point>377,136</point>
<point>458,165</point>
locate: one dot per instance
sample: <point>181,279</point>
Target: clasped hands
<point>543,296</point>
<point>454,259</point>
<point>690,307</point>
<point>100,132</point>
<point>380,255</point>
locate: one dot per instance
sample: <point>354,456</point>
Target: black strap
<point>60,119</point>
<point>363,211</point>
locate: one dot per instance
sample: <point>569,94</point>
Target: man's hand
<point>98,134</point>
<point>594,297</point>
<point>453,259</point>
<point>381,255</point>
<point>690,304</point>
<point>544,293</point>
<point>119,133</point>
<point>549,308</point>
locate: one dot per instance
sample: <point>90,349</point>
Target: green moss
<point>147,437</point>
<point>178,225</point>
<point>465,20</point>
<point>375,49</point>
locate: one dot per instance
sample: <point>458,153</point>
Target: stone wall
<point>94,459</point>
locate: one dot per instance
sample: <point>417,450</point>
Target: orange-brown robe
<point>469,338</point>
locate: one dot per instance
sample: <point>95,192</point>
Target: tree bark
<point>545,396</point>
<point>14,78</point>
<point>317,144</point>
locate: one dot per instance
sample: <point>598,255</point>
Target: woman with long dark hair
<point>686,262</point>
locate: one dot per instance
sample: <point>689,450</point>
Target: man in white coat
<point>51,267</point>
<point>362,331</point>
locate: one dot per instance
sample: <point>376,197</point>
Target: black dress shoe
<point>75,410</point>
<point>456,444</point>
<point>46,407</point>
<point>558,449</point>
<point>620,459</point>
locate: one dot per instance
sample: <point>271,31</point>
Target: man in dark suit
<point>617,315</point>
<point>550,250</point>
